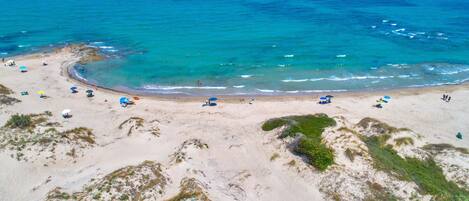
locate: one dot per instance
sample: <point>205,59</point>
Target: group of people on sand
<point>446,98</point>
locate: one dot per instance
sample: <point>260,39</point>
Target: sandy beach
<point>222,147</point>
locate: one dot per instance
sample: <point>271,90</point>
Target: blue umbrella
<point>123,100</point>
<point>73,88</point>
<point>323,98</point>
<point>212,99</point>
<point>387,97</point>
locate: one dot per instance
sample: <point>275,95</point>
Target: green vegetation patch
<point>27,121</point>
<point>425,173</point>
<point>19,121</point>
<point>310,144</point>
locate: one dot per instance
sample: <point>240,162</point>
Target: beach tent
<point>66,113</point>
<point>23,69</point>
<point>74,89</point>
<point>89,93</point>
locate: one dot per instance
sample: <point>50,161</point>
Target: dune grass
<point>19,121</point>
<point>425,173</point>
<point>5,90</point>
<point>310,144</point>
<point>404,141</point>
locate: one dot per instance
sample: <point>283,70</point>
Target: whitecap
<point>317,79</point>
<point>341,55</point>
<point>21,46</point>
<point>3,53</point>
<point>23,32</point>
<point>266,90</point>
<point>238,86</point>
<point>385,21</point>
<point>106,47</point>
<point>291,80</point>
<point>373,27</point>
<point>246,76</point>
<point>403,76</point>
<point>393,24</point>
<point>156,87</point>
<point>281,65</point>
<point>289,55</point>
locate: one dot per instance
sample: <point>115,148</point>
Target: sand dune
<point>222,148</point>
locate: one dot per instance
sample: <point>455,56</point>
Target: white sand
<point>237,163</point>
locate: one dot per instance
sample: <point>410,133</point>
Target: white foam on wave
<point>266,90</point>
<point>23,32</point>
<point>404,76</point>
<point>301,80</point>
<point>384,21</point>
<point>341,55</point>
<point>3,53</point>
<point>455,71</point>
<point>301,91</point>
<point>337,79</point>
<point>289,55</point>
<point>105,47</point>
<point>21,46</point>
<point>164,88</point>
<point>246,76</point>
<point>238,86</point>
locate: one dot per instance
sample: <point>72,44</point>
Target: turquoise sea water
<point>251,46</point>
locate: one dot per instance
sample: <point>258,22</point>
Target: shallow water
<point>252,46</point>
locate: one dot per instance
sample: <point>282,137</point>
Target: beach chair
<point>74,89</point>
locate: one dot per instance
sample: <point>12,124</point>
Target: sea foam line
<point>153,87</point>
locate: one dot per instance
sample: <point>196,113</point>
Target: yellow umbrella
<point>41,92</point>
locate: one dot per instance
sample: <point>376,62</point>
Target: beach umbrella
<point>323,98</point>
<point>124,100</point>
<point>89,91</point>
<point>66,112</point>
<point>73,88</point>
<point>213,99</point>
<point>41,92</point>
<point>387,97</point>
<point>23,69</point>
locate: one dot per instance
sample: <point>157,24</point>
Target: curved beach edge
<point>83,54</point>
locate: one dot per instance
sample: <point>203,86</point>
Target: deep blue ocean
<point>251,46</point>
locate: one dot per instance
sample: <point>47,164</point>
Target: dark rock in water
<point>86,53</point>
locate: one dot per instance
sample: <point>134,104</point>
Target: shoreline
<point>68,68</point>
<point>266,97</point>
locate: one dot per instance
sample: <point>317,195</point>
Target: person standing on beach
<point>3,59</point>
<point>449,98</point>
